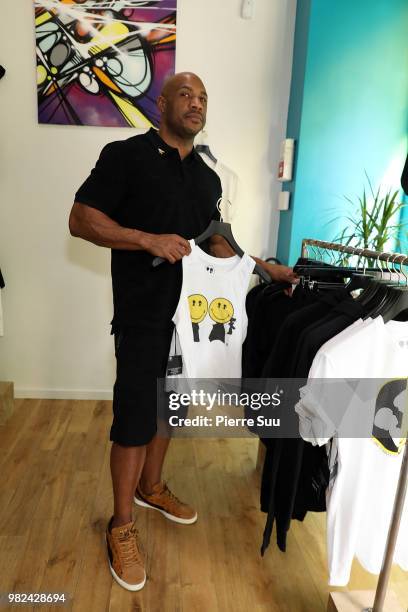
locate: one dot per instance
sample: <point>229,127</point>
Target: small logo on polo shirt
<point>161,151</point>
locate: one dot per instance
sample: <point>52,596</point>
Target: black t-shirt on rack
<point>314,336</point>
<point>279,362</point>
<point>266,315</point>
<point>143,184</point>
<point>287,489</point>
<point>295,474</point>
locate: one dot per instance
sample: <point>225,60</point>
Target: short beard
<point>184,132</point>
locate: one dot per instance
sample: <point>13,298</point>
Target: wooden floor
<point>56,499</point>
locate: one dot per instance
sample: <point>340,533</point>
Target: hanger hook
<point>219,207</point>
<point>379,266</point>
<point>315,253</point>
<point>359,253</point>
<point>330,254</point>
<point>336,248</point>
<point>386,265</point>
<point>401,263</point>
<point>343,252</point>
<point>394,269</point>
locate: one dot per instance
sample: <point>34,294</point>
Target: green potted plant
<point>372,221</point>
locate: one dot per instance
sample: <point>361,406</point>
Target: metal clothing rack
<point>402,487</point>
<point>399,258</point>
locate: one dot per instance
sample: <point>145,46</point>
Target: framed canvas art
<point>103,62</point>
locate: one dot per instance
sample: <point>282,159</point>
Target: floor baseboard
<point>68,394</point>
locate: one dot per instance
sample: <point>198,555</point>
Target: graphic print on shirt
<point>388,417</point>
<point>221,312</point>
<point>198,306</point>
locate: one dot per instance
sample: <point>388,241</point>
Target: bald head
<point>172,83</point>
<point>183,105</point>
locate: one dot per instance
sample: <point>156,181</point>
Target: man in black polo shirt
<point>147,196</point>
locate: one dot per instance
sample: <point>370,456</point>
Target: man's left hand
<point>277,272</point>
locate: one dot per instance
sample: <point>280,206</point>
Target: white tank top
<point>210,318</point>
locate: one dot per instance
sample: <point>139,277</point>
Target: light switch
<point>283,200</point>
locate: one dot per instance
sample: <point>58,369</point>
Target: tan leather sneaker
<point>163,500</point>
<point>125,558</point>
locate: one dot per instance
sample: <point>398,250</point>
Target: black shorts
<point>141,358</point>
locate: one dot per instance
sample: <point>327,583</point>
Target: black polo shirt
<point>143,184</point>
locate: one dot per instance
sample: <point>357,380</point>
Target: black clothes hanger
<point>222,229</point>
<point>398,306</point>
<point>204,148</point>
<point>386,298</point>
<point>324,271</point>
<point>323,276</point>
<point>315,263</point>
<point>373,296</point>
<point>359,280</point>
<point>321,272</point>
<point>321,269</point>
<point>381,300</point>
<point>377,295</point>
<point>395,301</point>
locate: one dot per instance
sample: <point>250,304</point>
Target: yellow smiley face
<point>221,310</point>
<point>198,307</point>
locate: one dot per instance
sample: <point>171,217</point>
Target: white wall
<point>57,300</point>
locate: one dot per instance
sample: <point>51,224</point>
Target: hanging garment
<point>269,314</point>
<point>365,475</point>
<point>229,183</point>
<point>210,318</point>
<point>271,305</point>
<point>281,361</point>
<point>289,489</point>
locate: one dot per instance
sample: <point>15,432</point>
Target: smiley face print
<point>198,307</point>
<point>221,310</point>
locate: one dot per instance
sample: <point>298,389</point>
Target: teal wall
<point>348,113</point>
<point>403,248</point>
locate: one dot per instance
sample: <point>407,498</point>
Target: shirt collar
<point>162,147</point>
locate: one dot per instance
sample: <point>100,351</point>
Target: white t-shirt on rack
<point>210,318</point>
<point>229,184</point>
<point>361,496</point>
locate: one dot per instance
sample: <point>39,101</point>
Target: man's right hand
<point>169,246</point>
<point>91,224</point>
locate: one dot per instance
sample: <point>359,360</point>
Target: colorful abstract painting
<point>103,62</point>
